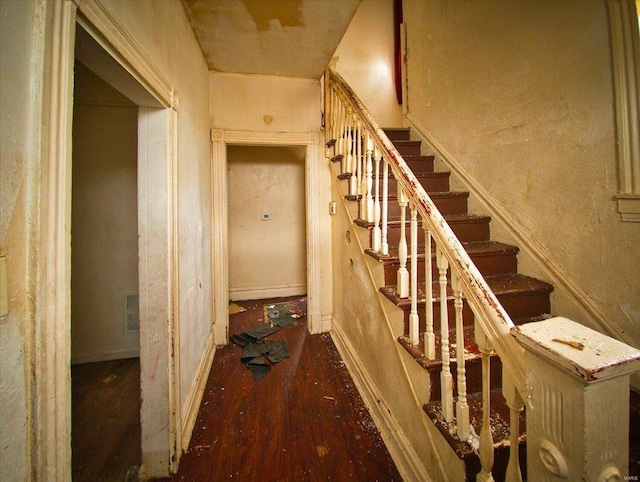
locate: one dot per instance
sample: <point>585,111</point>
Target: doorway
<point>105,319</point>
<point>267,222</point>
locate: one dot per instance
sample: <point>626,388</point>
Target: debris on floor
<point>257,355</point>
<point>235,308</point>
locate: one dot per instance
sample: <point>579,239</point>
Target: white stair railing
<point>358,129</point>
<point>349,121</point>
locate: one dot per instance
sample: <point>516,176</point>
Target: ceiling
<point>294,38</point>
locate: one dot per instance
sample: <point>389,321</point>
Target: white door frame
<point>220,139</point>
<point>160,414</point>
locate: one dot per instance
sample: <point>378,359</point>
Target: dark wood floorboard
<point>304,422</point>
<point>105,433</point>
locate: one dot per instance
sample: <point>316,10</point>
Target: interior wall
<point>267,257</point>
<point>265,103</point>
<point>166,39</point>
<point>104,207</point>
<point>366,60</point>
<point>18,127</point>
<point>279,105</point>
<point>163,31</point>
<point>521,94</point>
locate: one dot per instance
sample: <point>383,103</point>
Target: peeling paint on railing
<point>490,314</point>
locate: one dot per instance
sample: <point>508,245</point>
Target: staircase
<point>459,309</point>
<point>525,299</point>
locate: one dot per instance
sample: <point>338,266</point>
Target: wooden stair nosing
<point>502,286</point>
<point>473,248</point>
<point>490,257</point>
<point>471,349</point>
<point>394,222</point>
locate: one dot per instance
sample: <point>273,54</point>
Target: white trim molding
<point>57,22</point>
<point>51,444</point>
<point>194,397</point>
<point>220,139</point>
<point>262,292</point>
<point>118,42</point>
<point>625,45</point>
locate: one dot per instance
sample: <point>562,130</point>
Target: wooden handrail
<point>490,315</point>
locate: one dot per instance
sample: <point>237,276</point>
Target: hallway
<point>303,422</point>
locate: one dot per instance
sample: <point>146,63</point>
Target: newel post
<point>577,401</point>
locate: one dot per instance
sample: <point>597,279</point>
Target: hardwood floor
<point>303,422</point>
<point>105,430</point>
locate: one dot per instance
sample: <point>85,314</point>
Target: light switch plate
<point>265,216</point>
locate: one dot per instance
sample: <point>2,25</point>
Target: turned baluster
<point>331,121</point>
<point>429,335</point>
<point>486,438</point>
<point>369,204</point>
<point>462,407</point>
<point>403,274</point>
<point>384,242</point>
<point>376,234</point>
<point>348,145</point>
<point>354,186</point>
<point>341,127</point>
<point>446,380</point>
<point>516,405</point>
<point>414,319</point>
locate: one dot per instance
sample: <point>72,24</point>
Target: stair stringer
<point>386,377</point>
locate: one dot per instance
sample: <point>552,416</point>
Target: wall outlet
<point>265,216</point>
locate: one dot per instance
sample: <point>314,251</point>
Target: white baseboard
<point>194,397</point>
<point>263,292</point>
<point>105,356</point>
<point>407,460</point>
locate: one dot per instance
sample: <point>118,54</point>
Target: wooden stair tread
<point>419,175</point>
<point>436,195</point>
<point>416,351</point>
<point>471,352</point>
<point>473,248</point>
<point>406,142</point>
<point>502,285</point>
<point>394,222</point>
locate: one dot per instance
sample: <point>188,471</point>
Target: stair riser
<point>446,205</point>
<point>408,148</point>
<point>398,134</point>
<point>522,306</point>
<point>488,265</point>
<point>438,182</point>
<point>418,166</point>
<point>468,231</point>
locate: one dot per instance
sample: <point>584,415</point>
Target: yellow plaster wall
<point>521,94</point>
<point>366,60</point>
<point>267,257</point>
